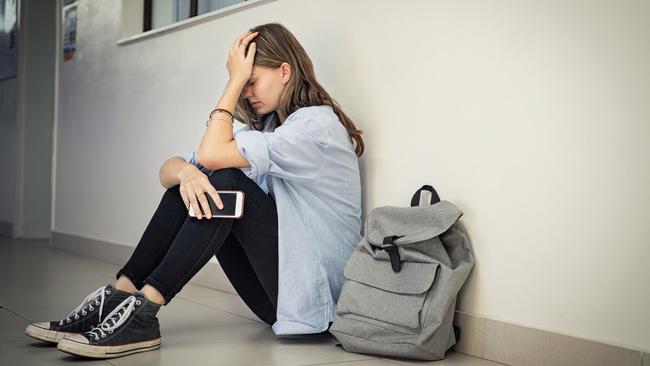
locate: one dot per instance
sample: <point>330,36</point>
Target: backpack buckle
<point>393,252</point>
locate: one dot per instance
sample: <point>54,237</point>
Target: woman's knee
<point>227,178</point>
<point>173,196</point>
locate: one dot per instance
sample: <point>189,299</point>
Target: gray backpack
<point>402,281</point>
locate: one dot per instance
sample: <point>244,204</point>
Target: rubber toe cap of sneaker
<point>43,325</point>
<point>77,338</point>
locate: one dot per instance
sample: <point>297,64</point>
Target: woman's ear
<point>286,72</point>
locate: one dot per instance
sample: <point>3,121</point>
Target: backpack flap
<point>390,227</point>
<point>410,224</point>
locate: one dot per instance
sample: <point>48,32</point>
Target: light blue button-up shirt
<point>309,166</point>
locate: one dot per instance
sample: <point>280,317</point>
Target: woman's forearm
<point>219,133</point>
<point>170,169</point>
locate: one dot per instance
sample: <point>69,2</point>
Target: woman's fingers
<point>243,40</point>
<point>192,197</point>
<point>249,37</point>
<point>247,40</point>
<point>246,37</point>
<point>196,193</point>
<point>238,41</point>
<point>186,201</point>
<point>251,52</point>
<point>209,189</point>
<point>204,203</point>
<point>239,63</point>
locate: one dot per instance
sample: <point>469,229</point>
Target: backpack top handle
<point>425,196</point>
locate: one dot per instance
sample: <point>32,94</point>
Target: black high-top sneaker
<point>130,328</point>
<point>89,313</point>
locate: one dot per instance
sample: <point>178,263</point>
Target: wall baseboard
<point>480,337</point>
<point>513,344</point>
<point>6,229</point>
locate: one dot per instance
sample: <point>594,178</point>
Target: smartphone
<point>233,205</point>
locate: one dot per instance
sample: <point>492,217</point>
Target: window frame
<point>133,20</point>
<point>148,11</point>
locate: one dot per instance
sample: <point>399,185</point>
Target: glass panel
<point>182,9</point>
<point>205,6</point>
<point>165,12</point>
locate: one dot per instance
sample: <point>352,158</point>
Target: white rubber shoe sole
<point>42,332</point>
<point>78,345</point>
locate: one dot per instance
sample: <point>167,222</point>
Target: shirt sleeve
<point>190,157</point>
<point>293,151</point>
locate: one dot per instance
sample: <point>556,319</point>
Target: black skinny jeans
<point>175,246</point>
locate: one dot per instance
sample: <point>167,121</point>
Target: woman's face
<point>264,88</point>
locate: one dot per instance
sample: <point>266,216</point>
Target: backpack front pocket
<point>376,292</point>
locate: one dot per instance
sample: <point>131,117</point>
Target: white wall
<point>530,116</point>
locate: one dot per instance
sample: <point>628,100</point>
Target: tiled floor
<point>200,326</point>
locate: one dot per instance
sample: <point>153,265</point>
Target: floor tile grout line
<point>215,308</point>
<point>339,362</point>
<point>85,257</point>
<point>15,313</point>
<point>481,358</point>
<point>212,289</point>
<point>21,340</point>
<point>197,301</point>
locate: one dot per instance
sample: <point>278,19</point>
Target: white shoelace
<point>97,297</point>
<point>115,318</point>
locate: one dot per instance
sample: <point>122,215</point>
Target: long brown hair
<point>275,45</point>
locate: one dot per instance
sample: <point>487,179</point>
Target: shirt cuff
<point>189,157</point>
<point>252,145</point>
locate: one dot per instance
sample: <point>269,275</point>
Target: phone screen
<point>229,200</point>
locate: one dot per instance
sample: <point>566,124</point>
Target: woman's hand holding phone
<point>194,184</point>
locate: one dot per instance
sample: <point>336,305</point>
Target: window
<point>159,13</point>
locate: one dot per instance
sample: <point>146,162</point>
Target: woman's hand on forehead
<point>239,64</point>
<point>244,39</point>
